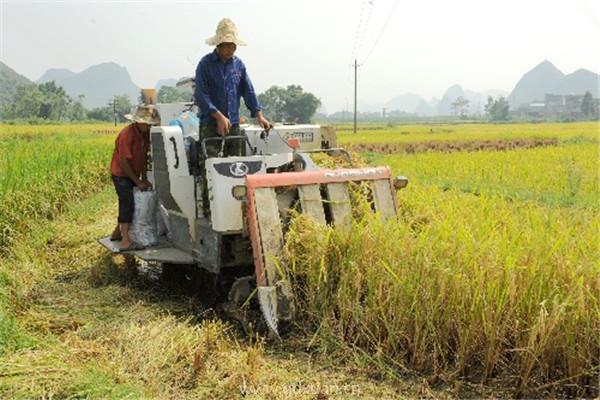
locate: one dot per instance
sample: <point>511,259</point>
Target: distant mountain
<point>56,74</point>
<point>452,93</point>
<point>98,84</point>
<point>579,82</point>
<point>165,82</point>
<point>170,82</point>
<point>9,80</point>
<point>414,104</point>
<point>427,108</point>
<point>545,78</point>
<point>477,100</point>
<point>495,93</point>
<point>407,103</point>
<point>535,84</point>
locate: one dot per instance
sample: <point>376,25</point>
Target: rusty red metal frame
<point>291,179</point>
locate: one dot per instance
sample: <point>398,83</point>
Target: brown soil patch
<point>452,146</point>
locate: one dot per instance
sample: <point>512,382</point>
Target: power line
<point>355,92</point>
<point>365,26</point>
<point>358,28</point>
<point>381,32</point>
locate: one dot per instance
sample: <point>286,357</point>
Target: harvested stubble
<point>581,131</point>
<point>460,287</point>
<point>454,146</point>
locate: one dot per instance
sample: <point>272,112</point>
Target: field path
<point>90,328</point>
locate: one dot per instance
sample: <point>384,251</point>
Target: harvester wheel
<point>191,280</point>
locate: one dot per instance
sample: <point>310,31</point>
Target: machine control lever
<point>172,139</point>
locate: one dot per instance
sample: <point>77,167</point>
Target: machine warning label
<point>301,136</point>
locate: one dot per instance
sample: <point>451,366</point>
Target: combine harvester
<point>237,238</point>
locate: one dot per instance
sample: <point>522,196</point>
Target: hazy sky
<point>426,46</point>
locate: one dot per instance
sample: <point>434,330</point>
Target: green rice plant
<point>461,287</point>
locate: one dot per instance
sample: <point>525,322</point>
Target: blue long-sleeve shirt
<point>219,86</point>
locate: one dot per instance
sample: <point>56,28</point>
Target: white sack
<point>143,227</point>
<point>162,221</point>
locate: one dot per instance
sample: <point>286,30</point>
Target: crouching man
<point>128,169</point>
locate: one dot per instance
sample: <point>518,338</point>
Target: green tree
<point>46,101</point>
<point>55,101</point>
<point>273,102</point>
<point>101,114</point>
<point>123,106</point>
<point>460,107</point>
<point>26,103</point>
<point>300,106</point>
<point>497,110</point>
<point>587,105</point>
<point>489,105</point>
<point>170,94</point>
<point>290,104</point>
<point>77,111</point>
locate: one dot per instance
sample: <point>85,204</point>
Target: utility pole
<point>355,77</point>
<point>113,103</point>
<point>115,109</point>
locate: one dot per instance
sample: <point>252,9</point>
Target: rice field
<point>489,274</point>
<point>44,168</point>
<point>562,176</point>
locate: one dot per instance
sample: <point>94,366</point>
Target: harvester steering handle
<point>223,140</point>
<point>172,139</point>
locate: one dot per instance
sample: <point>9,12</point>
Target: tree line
<point>498,109</point>
<point>48,101</point>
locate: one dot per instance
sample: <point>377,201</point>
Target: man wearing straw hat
<point>221,80</point>
<point>128,169</point>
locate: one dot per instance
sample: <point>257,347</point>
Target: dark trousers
<point>213,148</point>
<point>124,188</point>
<point>230,148</point>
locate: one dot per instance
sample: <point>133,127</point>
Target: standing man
<point>128,169</point>
<point>221,80</point>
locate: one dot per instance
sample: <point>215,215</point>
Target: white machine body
<point>223,174</point>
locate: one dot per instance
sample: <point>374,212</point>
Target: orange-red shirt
<point>132,145</point>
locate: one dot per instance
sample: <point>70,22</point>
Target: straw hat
<point>226,33</point>
<point>144,114</point>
